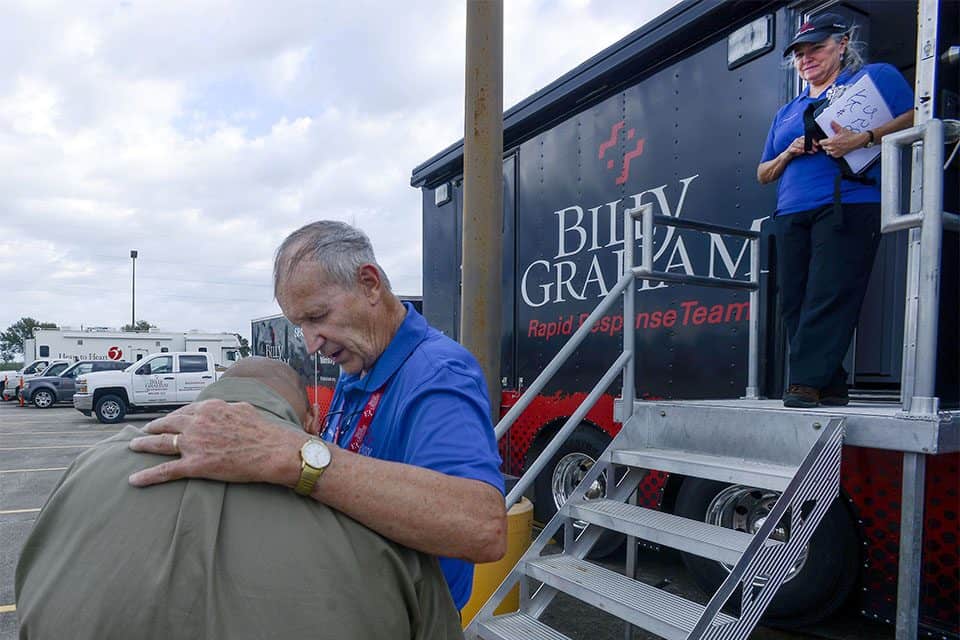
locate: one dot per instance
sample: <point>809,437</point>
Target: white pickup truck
<point>158,382</point>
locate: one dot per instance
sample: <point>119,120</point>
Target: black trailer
<point>675,115</point>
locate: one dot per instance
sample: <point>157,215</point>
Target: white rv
<point>111,344</point>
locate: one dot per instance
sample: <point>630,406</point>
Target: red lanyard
<point>363,424</point>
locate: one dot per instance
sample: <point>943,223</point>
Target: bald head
<point>277,375</point>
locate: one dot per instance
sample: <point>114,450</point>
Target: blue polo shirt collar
<point>842,79</point>
<point>413,330</point>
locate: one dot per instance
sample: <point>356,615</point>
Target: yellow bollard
<point>487,577</point>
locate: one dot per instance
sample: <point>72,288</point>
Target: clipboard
<point>859,108</point>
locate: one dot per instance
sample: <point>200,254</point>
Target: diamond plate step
<point>692,536</point>
<point>653,609</point>
<point>699,465</point>
<point>517,626</point>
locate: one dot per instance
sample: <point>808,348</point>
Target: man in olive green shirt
<point>200,559</point>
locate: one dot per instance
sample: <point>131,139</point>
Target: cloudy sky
<point>201,132</point>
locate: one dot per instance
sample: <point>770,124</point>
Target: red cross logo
<point>627,157</point>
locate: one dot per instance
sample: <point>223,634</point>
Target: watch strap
<point>870,139</point>
<point>308,479</point>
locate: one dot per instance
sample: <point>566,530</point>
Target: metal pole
<point>924,401</point>
<point>133,291</point>
<point>753,342</point>
<point>917,396</point>
<point>482,240</point>
<point>629,372</point>
<point>629,310</point>
<point>911,545</point>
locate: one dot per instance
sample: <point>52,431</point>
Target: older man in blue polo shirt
<point>407,448</point>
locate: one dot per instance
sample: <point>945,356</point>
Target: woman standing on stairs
<point>827,221</point>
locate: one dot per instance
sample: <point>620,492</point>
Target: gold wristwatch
<point>314,459</point>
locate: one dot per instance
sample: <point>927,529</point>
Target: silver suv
<point>45,391</point>
<point>11,388</point>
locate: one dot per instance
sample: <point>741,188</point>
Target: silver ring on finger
<point>176,444</point>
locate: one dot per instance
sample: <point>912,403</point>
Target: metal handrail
<point>923,297</point>
<point>554,365</point>
<point>646,272</point>
<point>625,361</point>
<point>568,427</point>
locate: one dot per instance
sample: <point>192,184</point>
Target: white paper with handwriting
<point>860,108</point>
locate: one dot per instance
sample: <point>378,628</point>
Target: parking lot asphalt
<point>37,445</point>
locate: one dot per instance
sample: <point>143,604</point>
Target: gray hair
<point>338,248</point>
<point>853,55</point>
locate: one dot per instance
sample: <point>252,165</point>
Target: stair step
<point>684,534</point>
<point>517,626</point>
<point>653,609</point>
<point>700,465</point>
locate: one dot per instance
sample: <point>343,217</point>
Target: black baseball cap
<point>817,28</point>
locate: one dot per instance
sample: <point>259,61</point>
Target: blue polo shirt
<point>434,413</point>
<point>807,181</point>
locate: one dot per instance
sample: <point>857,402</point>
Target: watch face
<point>315,454</point>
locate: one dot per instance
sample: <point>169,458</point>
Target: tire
<point>43,399</point>
<point>563,473</point>
<point>825,574</point>
<point>110,409</point>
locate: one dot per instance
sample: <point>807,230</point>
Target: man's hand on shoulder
<point>223,441</point>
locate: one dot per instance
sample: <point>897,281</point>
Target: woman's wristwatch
<point>870,140</point>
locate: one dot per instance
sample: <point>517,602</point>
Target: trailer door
<point>508,321</point>
<point>442,207</point>
<point>876,354</point>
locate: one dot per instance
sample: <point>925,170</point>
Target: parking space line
<point>10,512</point>
<point>57,433</point>
<point>7,608</point>
<point>29,470</point>
<point>58,446</point>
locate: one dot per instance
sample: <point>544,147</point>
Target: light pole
<point>133,291</point>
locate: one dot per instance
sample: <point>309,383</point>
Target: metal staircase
<point>803,464</point>
<point>760,563</point>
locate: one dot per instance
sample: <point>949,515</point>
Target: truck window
<point>79,370</point>
<point>56,369</point>
<point>192,364</point>
<point>155,366</point>
<point>44,351</point>
<point>36,367</point>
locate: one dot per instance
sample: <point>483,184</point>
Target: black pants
<point>824,258</point>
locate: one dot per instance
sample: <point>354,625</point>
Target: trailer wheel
<point>43,399</point>
<point>824,575</point>
<point>110,409</point>
<point>562,475</point>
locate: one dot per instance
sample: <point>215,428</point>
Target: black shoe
<point>799,396</point>
<point>835,396</point>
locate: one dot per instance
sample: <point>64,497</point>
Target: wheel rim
<point>43,399</point>
<point>568,473</point>
<point>746,509</point>
<point>110,410</point>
